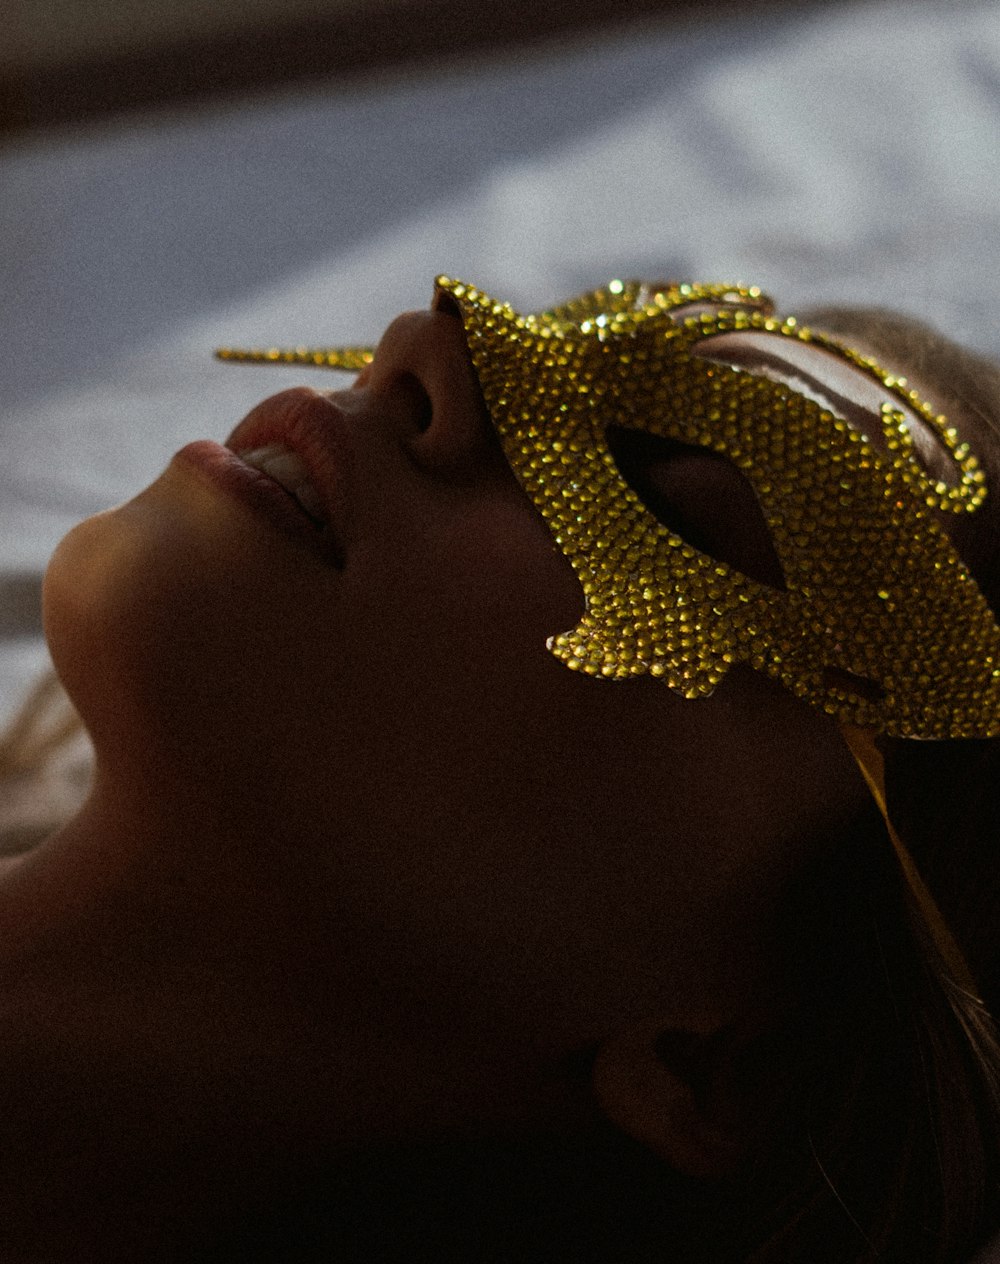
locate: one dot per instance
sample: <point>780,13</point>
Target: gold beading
<point>880,624</point>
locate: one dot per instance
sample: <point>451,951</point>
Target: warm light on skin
<point>358,843</point>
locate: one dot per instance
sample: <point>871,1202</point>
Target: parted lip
<point>313,427</point>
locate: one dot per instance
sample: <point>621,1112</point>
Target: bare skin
<point>362,860</point>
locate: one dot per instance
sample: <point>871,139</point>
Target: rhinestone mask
<point>879,624</point>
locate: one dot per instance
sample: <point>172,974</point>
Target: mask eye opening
<point>700,496</point>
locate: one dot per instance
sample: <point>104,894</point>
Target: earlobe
<point>674,1092</point>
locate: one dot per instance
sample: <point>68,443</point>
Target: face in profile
<point>358,840</point>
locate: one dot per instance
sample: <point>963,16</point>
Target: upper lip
<point>313,426</point>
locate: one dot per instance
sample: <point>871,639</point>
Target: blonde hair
<point>44,766</point>
<point>901,1162</point>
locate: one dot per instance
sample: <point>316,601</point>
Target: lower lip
<point>224,470</point>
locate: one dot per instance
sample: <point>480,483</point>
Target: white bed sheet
<point>847,152</point>
<point>841,152</point>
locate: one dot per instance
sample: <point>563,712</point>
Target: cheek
<point>85,597</point>
<point>532,847</point>
<point>477,575</point>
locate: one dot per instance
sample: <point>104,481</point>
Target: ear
<point>676,1093</point>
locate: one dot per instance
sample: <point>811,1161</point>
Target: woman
<point>385,935</point>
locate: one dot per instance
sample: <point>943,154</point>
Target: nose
<point>423,382</point>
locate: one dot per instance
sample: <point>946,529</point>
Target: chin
<point>162,618</point>
<point>124,599</point>
<point>75,596</point>
<point>85,603</point>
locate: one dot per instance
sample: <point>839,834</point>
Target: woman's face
<point>365,811</point>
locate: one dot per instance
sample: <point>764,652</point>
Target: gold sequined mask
<point>879,622</point>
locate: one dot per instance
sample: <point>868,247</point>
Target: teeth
<point>287,468</point>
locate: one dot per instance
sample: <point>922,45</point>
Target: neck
<point>592,1197</point>
<point>161,1040</point>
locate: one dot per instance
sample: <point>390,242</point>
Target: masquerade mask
<point>879,622</point>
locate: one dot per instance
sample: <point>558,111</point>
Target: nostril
<point>445,302</point>
<point>417,405</point>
